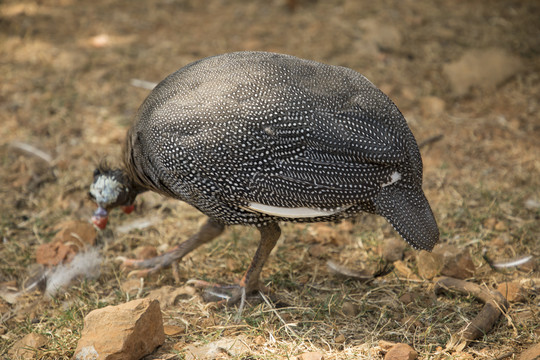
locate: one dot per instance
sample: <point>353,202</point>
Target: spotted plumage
<point>257,138</point>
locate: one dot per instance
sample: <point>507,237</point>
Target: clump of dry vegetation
<point>66,101</point>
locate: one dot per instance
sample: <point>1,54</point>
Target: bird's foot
<point>227,295</point>
<point>149,266</point>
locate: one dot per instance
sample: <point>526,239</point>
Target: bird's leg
<point>250,281</point>
<point>269,236</point>
<point>209,231</point>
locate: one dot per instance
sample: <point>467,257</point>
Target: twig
<point>32,150</point>
<point>287,326</point>
<point>242,304</point>
<point>143,84</point>
<point>495,305</point>
<point>430,140</point>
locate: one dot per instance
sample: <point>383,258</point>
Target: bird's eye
<point>96,172</point>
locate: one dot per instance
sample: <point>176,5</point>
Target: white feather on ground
<point>85,265</point>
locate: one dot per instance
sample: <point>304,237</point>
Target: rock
<point>79,232</point>
<point>128,331</point>
<point>532,353</point>
<point>401,352</point>
<point>68,241</point>
<point>340,339</point>
<point>386,345</point>
<point>481,68</point>
<point>318,251</point>
<point>384,36</point>
<point>408,298</point>
<point>489,223</point>
<point>432,106</point>
<point>404,270</point>
<point>325,234</point>
<point>310,356</point>
<point>429,264</point>
<point>168,295</point>
<point>217,349</point>
<point>26,347</point>
<point>392,249</point>
<point>512,291</point>
<point>411,322</point>
<point>457,263</point>
<point>173,330</point>
<point>445,260</point>
<point>349,309</point>
<point>145,252</point>
<point>54,253</point>
<point>501,226</point>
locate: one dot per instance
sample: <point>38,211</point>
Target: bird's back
<point>252,137</point>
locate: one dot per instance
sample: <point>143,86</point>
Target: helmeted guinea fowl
<point>256,138</point>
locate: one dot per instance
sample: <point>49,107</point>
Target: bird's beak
<point>100,217</point>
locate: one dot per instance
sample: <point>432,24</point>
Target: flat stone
<point>173,330</point>
<point>349,309</point>
<point>340,339</point>
<point>72,237</point>
<point>384,36</point>
<point>432,106</point>
<point>532,353</point>
<point>445,260</point>
<point>402,268</point>
<point>312,355</point>
<point>145,252</point>
<point>386,345</point>
<point>26,347</point>
<point>128,331</point>
<point>168,295</point>
<point>392,249</point>
<point>461,266</point>
<point>512,291</point>
<point>217,349</point>
<point>429,264</point>
<point>481,68</point>
<point>457,262</point>
<point>401,352</point>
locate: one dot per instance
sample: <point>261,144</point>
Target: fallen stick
<point>143,84</point>
<point>430,140</point>
<point>494,305</point>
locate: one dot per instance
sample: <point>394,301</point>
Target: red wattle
<point>128,209</point>
<point>100,221</point>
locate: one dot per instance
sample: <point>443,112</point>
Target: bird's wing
<point>357,134</point>
<point>345,159</point>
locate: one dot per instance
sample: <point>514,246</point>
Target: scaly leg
<point>250,281</point>
<point>209,231</point>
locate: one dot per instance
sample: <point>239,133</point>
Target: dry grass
<point>66,94</point>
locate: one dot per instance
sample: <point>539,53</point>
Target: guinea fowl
<point>257,138</point>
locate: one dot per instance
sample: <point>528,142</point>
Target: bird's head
<point>110,188</point>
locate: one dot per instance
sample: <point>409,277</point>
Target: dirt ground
<point>468,70</point>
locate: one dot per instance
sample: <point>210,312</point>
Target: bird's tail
<point>408,211</point>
